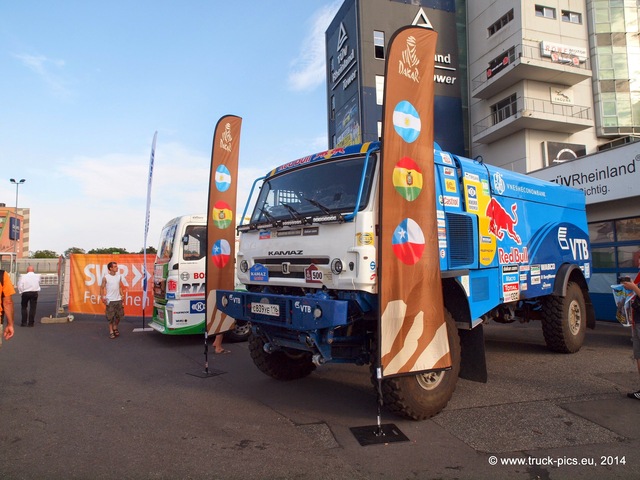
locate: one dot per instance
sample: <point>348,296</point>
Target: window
<point>379,89</point>
<point>504,109</point>
<point>501,61</point>
<point>571,17</point>
<point>615,246</point>
<point>195,243</point>
<point>378,44</point>
<point>501,23</point>
<point>546,12</point>
<point>333,107</point>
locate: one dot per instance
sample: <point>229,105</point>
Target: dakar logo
<point>225,138</point>
<point>501,221</point>
<point>408,65</point>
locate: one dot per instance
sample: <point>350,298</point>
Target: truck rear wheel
<point>424,395</point>
<point>281,364</point>
<point>240,332</point>
<point>564,322</point>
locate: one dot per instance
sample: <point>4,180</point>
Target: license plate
<point>271,309</point>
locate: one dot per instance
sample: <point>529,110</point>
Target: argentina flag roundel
<point>223,178</point>
<point>408,242</point>
<point>406,121</point>
<point>220,253</point>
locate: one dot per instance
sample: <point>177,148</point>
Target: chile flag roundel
<point>408,242</point>
<point>220,253</point>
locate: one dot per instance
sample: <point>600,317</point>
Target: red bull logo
<point>330,153</point>
<point>501,221</point>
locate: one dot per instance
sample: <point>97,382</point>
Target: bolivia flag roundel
<point>222,214</point>
<point>406,121</point>
<point>220,253</point>
<point>407,178</point>
<point>223,178</point>
<point>408,242</point>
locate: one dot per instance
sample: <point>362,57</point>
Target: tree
<point>108,251</point>
<point>71,250</point>
<point>45,254</point>
<point>149,250</point>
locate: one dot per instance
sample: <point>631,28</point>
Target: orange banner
<point>413,333</point>
<point>221,224</point>
<point>87,272</point>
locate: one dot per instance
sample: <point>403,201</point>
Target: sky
<point>84,84</point>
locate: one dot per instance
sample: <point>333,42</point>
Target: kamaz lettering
<point>283,253</point>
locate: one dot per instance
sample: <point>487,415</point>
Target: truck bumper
<point>300,313</point>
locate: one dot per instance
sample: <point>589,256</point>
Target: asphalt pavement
<point>75,404</point>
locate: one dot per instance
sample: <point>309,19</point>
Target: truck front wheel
<point>564,322</point>
<point>281,364</point>
<point>424,395</point>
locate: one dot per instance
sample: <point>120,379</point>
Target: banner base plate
<point>377,435</point>
<point>207,374</point>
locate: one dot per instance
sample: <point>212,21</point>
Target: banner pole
<point>145,282</point>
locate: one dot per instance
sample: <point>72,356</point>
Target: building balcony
<point>531,114</point>
<point>525,62</point>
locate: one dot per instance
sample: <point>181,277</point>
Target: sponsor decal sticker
<point>258,273</point>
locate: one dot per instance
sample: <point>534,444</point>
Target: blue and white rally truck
<point>511,247</point>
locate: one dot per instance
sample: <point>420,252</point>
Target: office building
<point>546,88</point>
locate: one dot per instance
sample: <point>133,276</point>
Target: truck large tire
<point>424,395</point>
<point>281,364</point>
<point>240,333</point>
<point>564,321</point>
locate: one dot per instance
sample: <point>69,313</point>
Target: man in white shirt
<point>112,293</point>
<point>28,287</point>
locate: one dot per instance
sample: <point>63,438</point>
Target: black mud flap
<point>473,365</point>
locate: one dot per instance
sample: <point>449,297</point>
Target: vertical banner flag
<point>146,219</point>
<point>413,334</point>
<point>221,227</point>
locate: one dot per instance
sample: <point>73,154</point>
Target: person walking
<point>6,305</point>
<point>635,333</point>
<point>111,292</point>
<point>28,287</point>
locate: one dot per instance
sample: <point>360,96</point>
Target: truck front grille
<point>289,267</point>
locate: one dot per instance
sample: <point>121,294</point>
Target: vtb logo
<point>578,246</point>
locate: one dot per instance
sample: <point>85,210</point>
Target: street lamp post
<point>16,237</point>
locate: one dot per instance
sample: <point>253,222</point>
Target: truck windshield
<point>328,187</point>
<point>165,248</point>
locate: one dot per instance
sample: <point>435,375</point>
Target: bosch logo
<point>184,276</point>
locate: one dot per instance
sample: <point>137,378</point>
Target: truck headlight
<point>244,266</point>
<point>336,266</point>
